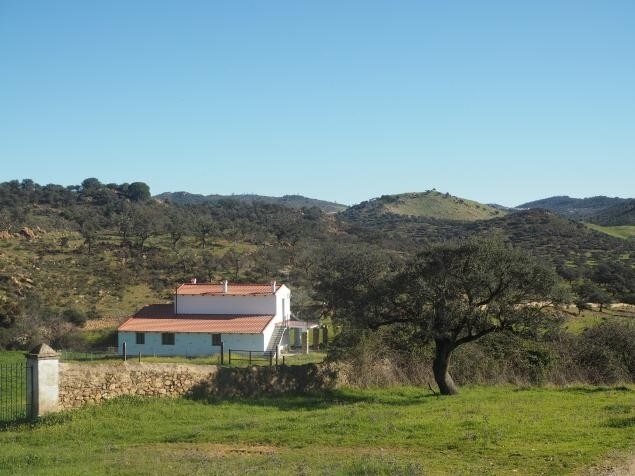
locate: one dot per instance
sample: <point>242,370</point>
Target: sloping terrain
<point>291,201</point>
<point>577,208</point>
<point>544,233</point>
<point>620,214</point>
<point>429,204</point>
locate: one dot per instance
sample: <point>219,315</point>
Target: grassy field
<point>438,205</point>
<point>484,430</point>
<point>588,318</point>
<point>625,231</point>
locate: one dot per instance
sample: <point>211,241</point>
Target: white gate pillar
<point>42,381</point>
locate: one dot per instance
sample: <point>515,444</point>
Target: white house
<point>241,316</point>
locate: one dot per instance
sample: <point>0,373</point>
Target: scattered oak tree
<point>458,293</point>
<point>452,294</point>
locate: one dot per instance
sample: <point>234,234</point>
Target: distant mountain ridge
<point>291,201</point>
<point>577,208</point>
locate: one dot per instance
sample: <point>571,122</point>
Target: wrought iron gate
<point>14,404</point>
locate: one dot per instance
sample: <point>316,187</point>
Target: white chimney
<point>193,280</point>
<point>225,286</point>
<point>273,286</point>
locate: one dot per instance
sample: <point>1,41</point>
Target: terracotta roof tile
<point>232,289</point>
<point>161,318</point>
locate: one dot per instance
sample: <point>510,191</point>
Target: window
<point>167,338</point>
<point>216,339</point>
<point>140,338</point>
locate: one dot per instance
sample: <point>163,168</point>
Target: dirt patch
<point>212,449</point>
<point>103,323</point>
<point>617,466</point>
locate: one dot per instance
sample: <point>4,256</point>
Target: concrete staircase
<point>276,338</point>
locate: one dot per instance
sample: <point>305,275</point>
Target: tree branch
<point>473,337</point>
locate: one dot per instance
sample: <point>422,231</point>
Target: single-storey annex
<point>241,316</point>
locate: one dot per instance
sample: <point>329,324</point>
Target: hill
<point>103,250</point>
<point>620,214</point>
<point>429,204</point>
<point>291,201</point>
<point>546,234</point>
<point>576,208</point>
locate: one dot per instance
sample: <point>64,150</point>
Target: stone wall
<point>82,383</point>
<point>93,383</point>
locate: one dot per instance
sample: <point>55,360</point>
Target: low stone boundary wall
<point>92,383</point>
<point>80,383</point>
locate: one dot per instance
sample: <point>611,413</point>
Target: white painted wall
<point>259,305</point>
<point>283,312</point>
<point>188,344</point>
<point>201,343</point>
<point>43,387</point>
<point>283,294</point>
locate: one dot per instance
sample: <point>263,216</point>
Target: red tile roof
<point>232,289</point>
<point>161,318</point>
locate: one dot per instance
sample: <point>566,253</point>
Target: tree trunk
<point>440,368</point>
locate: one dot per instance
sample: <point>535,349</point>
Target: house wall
<point>259,305</point>
<point>269,330</point>
<point>283,313</point>
<point>189,344</point>
<point>283,294</point>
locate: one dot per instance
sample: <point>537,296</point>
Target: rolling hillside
<point>429,204</point>
<point>291,201</point>
<point>620,214</point>
<point>576,208</point>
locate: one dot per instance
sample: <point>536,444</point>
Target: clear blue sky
<point>496,101</point>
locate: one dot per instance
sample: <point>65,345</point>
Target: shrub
<point>74,316</point>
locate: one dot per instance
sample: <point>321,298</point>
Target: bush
<point>609,350</point>
<point>602,355</point>
<point>74,316</point>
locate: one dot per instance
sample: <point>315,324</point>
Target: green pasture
<point>404,430</point>
<point>588,318</point>
<point>624,232</point>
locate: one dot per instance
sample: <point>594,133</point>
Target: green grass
<point>12,357</point>
<point>589,318</point>
<point>301,359</point>
<point>484,430</point>
<point>624,232</point>
<point>437,205</point>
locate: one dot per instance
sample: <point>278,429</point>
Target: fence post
<point>124,351</point>
<point>276,356</point>
<point>270,359</point>
<point>230,356</point>
<point>43,390</point>
<point>222,351</point>
<point>250,357</point>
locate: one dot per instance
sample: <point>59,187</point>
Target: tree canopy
<point>452,293</point>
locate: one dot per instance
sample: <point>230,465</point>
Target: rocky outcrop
<point>27,233</point>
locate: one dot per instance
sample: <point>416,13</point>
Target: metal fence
<point>82,356</point>
<point>235,357</point>
<point>14,404</point>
